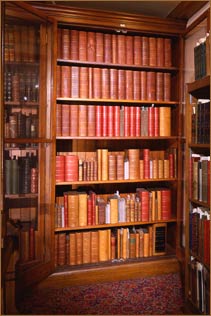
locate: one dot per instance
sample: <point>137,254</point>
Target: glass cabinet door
<point>27,139</point>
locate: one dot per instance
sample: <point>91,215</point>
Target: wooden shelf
<point>200,89</point>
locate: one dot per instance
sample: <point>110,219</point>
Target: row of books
<point>26,216</point>
<point>200,234</point>
<point>114,48</point>
<point>199,291</point>
<point>21,123</point>
<point>103,165</point>
<point>21,43</point>
<point>106,245</point>
<point>21,86</point>
<point>201,123</point>
<point>79,209</point>
<point>112,121</point>
<point>200,177</point>
<point>202,57</point>
<point>21,175</point>
<point>120,84</point>
<point>28,242</point>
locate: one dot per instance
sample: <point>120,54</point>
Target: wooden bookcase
<point>197,281</point>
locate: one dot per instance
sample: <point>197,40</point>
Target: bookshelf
<point>197,204</point>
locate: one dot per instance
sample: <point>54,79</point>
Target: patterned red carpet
<point>160,295</point>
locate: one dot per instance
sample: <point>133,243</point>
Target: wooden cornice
<point>111,20</point>
<point>186,9</point>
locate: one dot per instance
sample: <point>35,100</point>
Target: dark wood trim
<point>186,9</point>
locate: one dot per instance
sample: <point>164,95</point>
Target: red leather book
<point>159,86</point>
<point>171,165</point>
<point>146,153</point>
<point>71,168</point>
<point>107,48</point>
<point>74,82</point>
<point>110,120</point>
<point>137,50</point>
<point>74,44</point>
<point>126,121</point>
<point>208,182</point>
<point>65,81</point>
<point>167,52</point>
<point>157,121</point>
<point>90,82</point>
<point>129,84</point>
<point>160,52</point>
<point>121,49</point>
<point>82,45</point>
<point>91,46</point>
<point>129,50</point>
<point>136,85</point>
<point>165,204</point>
<point>114,84</point>
<point>206,241</point>
<point>65,119</point>
<point>83,82</point>
<point>97,83</point>
<point>167,87</point>
<point>60,168</point>
<point>151,85</point>
<point>145,51</point>
<point>105,83</point>
<point>82,118</point>
<point>99,47</point>
<point>121,84</point>
<point>104,120</point>
<point>99,121</point>
<point>58,119</point>
<point>151,121</point>
<point>91,119</point>
<point>143,89</point>
<point>132,124</point>
<point>93,199</point>
<point>114,48</point>
<point>137,121</point>
<point>116,120</point>
<point>143,194</point>
<point>65,47</point>
<point>74,121</point>
<point>152,51</point>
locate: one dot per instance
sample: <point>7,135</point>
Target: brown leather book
<point>151,85</point>
<point>143,90</point>
<point>167,87</point>
<point>65,43</point>
<point>121,49</point>
<point>121,84</point>
<point>74,121</point>
<point>83,82</point>
<point>91,46</point>
<point>97,83</point>
<point>74,92</point>
<point>132,246</point>
<point>61,249</point>
<point>129,50</point>
<point>107,48</point>
<point>165,121</point>
<point>82,209</point>
<point>82,45</point>
<point>145,51</point>
<point>65,81</point>
<point>59,119</point>
<point>91,120</point>
<point>159,86</point>
<point>134,171</point>
<point>129,84</point>
<point>114,84</point>
<point>160,52</point>
<point>104,245</point>
<point>167,52</point>
<point>82,118</point>
<point>105,83</point>
<point>72,252</point>
<point>74,44</point>
<point>65,123</point>
<point>99,47</point>
<point>136,85</point>
<point>79,248</point>
<point>165,204</point>
<point>152,51</point>
<point>114,48</point>
<point>94,246</point>
<point>86,238</point>
<point>137,50</point>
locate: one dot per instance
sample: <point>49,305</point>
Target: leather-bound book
<point>56,238</point>
<point>65,41</point>
<point>137,121</point>
<point>91,120</point>
<point>132,124</point>
<point>116,120</point>
<point>125,244</point>
<point>113,247</point>
<point>73,208</point>
<point>60,169</point>
<point>99,120</point>
<point>120,167</point>
<point>129,50</point>
<point>104,121</point>
<point>99,47</point>
<point>94,246</point>
<point>107,48</point>
<point>132,245</point>
<point>104,245</point>
<point>110,120</point>
<point>83,82</point>
<point>65,119</point>
<point>104,164</point>
<point>134,171</point>
<point>121,49</point>
<point>129,84</point>
<point>59,119</point>
<point>58,81</point>
<point>61,249</point>
<point>126,121</point>
<point>151,85</point>
<point>79,247</point>
<point>90,82</point>
<point>165,121</point>
<point>167,87</point>
<point>105,83</point>
<point>137,47</point>
<point>74,121</point>
<point>160,52</point>
<point>143,87</point>
<point>97,83</point>
<point>114,210</point>
<point>59,43</point>
<point>145,51</point>
<point>160,169</point>
<point>146,244</point>
<point>74,44</point>
<point>66,81</point>
<point>82,45</point>
<point>152,51</point>
<point>74,92</point>
<point>151,121</point>
<point>82,209</point>
<point>146,153</point>
<point>157,120</point>
<point>114,84</point>
<point>67,250</point>
<point>91,46</point>
<point>82,118</point>
<point>86,238</point>
<point>72,251</point>
<point>121,84</point>
<point>136,85</point>
<point>112,167</point>
<point>165,204</point>
<point>71,168</point>
<point>159,86</point>
<point>167,52</point>
<point>166,169</point>
<point>114,48</point>
<point>144,121</point>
